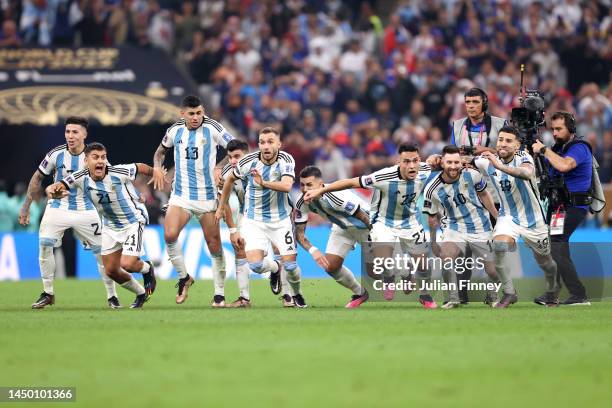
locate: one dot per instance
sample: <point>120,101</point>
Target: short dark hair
<point>568,120</point>
<point>77,120</point>
<point>407,147</point>
<point>510,129</point>
<point>310,171</point>
<point>269,129</point>
<point>237,144</point>
<point>191,101</point>
<point>450,149</point>
<point>94,146</point>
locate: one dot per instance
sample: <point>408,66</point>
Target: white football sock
<point>345,277</point>
<point>134,286</point>
<point>176,257</point>
<point>46,260</point>
<point>109,284</point>
<point>218,273</point>
<point>242,277</point>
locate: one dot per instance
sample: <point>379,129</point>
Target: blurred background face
<point>96,163</point>
<point>269,145</point>
<point>409,165</point>
<point>310,183</point>
<point>75,136</point>
<point>193,116</point>
<point>451,165</point>
<point>235,156</point>
<point>507,145</point>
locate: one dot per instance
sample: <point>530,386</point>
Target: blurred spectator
<point>9,36</point>
<point>334,166</point>
<point>38,20</point>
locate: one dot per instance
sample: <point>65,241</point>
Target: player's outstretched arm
<point>485,198</point>
<point>33,187</point>
<point>335,186</point>
<point>156,173</point>
<point>318,256</point>
<point>524,171</point>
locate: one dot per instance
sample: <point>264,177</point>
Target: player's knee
<point>214,246</point>
<point>291,266</point>
<point>171,234</point>
<point>257,267</point>
<point>502,247</point>
<point>333,267</point>
<point>114,273</point>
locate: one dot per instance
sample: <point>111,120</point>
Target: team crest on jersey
<point>275,174</point>
<point>289,168</point>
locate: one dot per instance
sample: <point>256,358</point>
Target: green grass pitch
<point>383,354</point>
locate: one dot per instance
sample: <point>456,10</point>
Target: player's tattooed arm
<point>434,223</point>
<point>487,201</point>
<point>363,217</point>
<point>300,236</point>
<point>33,187</point>
<point>318,256</point>
<point>159,156</point>
<point>156,173</point>
<point>335,186</point>
<point>227,188</point>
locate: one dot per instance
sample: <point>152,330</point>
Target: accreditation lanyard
<point>469,135</point>
<point>557,221</point>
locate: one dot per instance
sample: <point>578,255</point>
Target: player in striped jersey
<point>75,211</point>
<point>459,198</point>
<point>267,210</point>
<point>110,189</point>
<point>194,141</point>
<point>513,173</point>
<point>350,225</point>
<point>393,211</point>
<point>236,150</point>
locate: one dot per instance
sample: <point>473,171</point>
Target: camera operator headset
<point>570,163</point>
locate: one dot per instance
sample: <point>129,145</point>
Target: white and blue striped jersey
<point>338,207</point>
<point>394,201</point>
<point>195,157</point>
<point>457,203</point>
<point>239,187</point>
<point>264,204</point>
<point>61,163</point>
<point>115,197</point>
<point>519,199</point>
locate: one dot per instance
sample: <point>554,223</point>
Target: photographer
<point>474,134</point>
<point>477,132</point>
<point>570,161</point>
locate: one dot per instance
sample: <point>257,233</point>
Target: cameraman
<point>474,134</point>
<point>571,161</point>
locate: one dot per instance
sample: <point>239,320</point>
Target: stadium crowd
<point>345,84</point>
